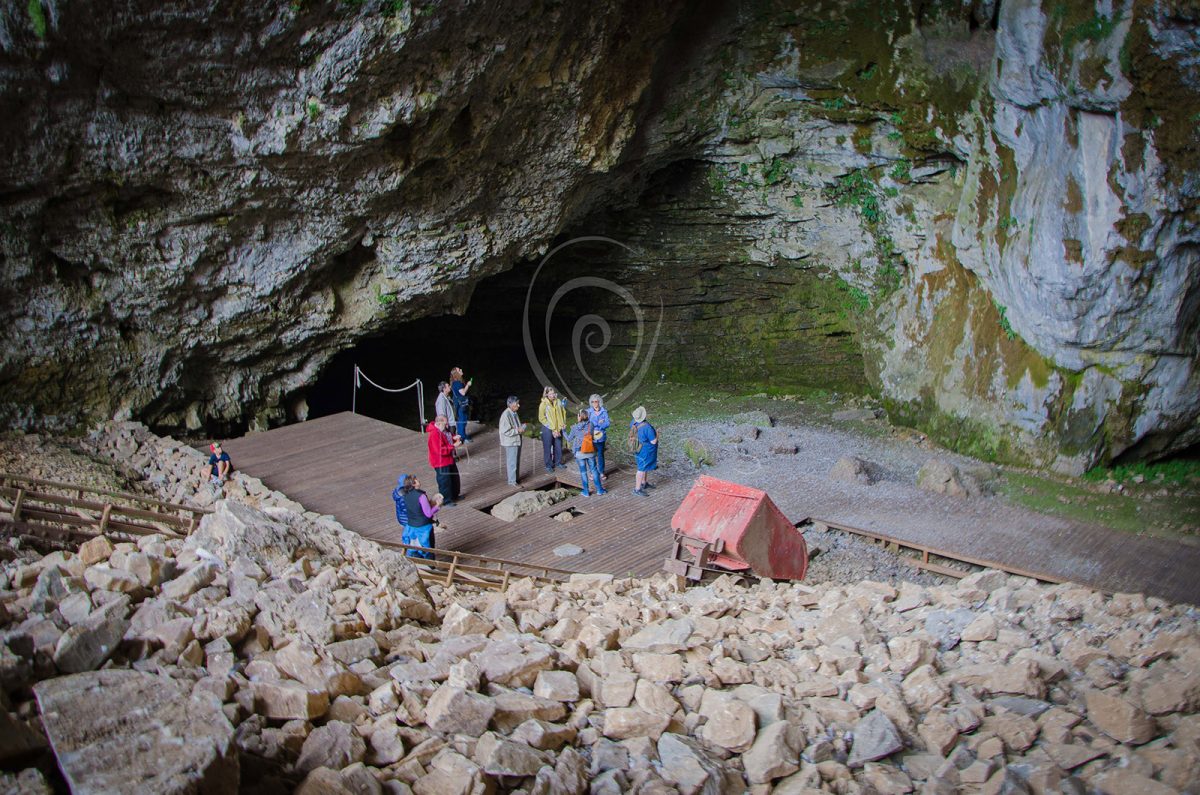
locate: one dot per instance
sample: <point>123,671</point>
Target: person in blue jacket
<point>598,416</point>
<point>585,453</point>
<point>401,504</point>
<point>647,450</point>
<point>462,403</point>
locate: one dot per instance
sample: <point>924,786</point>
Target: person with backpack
<point>643,442</point>
<point>401,505</point>
<point>511,429</point>
<point>598,416</point>
<point>419,514</point>
<point>583,444</point>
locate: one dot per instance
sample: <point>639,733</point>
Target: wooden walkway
<point>346,465</point>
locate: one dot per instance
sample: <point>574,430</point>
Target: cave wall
<point>985,213</point>
<point>204,201</point>
<point>1007,193</point>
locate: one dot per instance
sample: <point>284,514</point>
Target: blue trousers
<point>418,537</point>
<point>600,457</point>
<point>460,424</point>
<point>552,454</point>
<point>586,466</point>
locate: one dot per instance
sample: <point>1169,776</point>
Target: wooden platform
<point>346,465</point>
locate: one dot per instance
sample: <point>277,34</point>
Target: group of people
<point>587,438</point>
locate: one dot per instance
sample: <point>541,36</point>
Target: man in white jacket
<point>511,429</point>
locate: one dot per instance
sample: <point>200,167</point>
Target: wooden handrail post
<point>17,504</point>
<point>104,517</point>
<point>450,571</point>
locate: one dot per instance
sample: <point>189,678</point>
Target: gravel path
<point>985,527</point>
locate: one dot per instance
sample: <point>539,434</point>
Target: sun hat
<point>639,414</point>
<point>215,446</point>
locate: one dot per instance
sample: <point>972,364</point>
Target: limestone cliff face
<point>1006,199</point>
<point>989,208</point>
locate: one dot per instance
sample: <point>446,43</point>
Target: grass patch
<point>1005,326</point>
<point>1095,29</point>
<point>1163,516</point>
<point>1167,473</point>
<point>856,190</point>
<point>698,453</point>
<point>37,18</point>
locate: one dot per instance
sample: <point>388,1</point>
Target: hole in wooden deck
<point>554,486</point>
<point>566,514</point>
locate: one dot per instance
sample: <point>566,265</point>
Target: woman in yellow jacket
<point>552,414</point>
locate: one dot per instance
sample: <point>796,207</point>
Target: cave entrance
<point>671,288</point>
<point>587,351</point>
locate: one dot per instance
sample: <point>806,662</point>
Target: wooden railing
<point>449,567</point>
<point>66,513</point>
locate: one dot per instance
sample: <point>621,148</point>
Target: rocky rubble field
<point>291,655</point>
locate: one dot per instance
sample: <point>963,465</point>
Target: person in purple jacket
<point>420,513</point>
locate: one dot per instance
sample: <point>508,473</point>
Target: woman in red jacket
<point>441,457</point>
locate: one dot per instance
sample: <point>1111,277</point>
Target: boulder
<point>684,763</point>
<point>335,745</point>
<point>662,637</point>
<point>621,723</point>
<point>95,719</point>
<point>287,701</point>
<point>557,686</point>
<point>757,419</point>
<point>524,503</point>
<point>454,710</point>
<point>95,550</point>
<point>85,646</point>
<point>503,757</point>
<point>942,477</point>
<point>771,756</point>
<point>731,726</point>
<point>947,626</point>
<point>853,470</point>
<point>1119,718</point>
<point>875,737</point>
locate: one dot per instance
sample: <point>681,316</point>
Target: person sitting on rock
<point>219,465</point>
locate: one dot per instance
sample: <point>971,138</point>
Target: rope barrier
<point>360,376</point>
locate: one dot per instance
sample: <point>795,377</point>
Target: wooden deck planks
<point>346,465</point>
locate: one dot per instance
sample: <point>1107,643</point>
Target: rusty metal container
<point>737,528</point>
